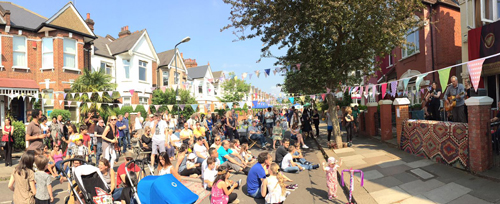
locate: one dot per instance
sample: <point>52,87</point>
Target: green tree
<point>234,89</point>
<point>168,98</point>
<point>64,113</point>
<point>334,41</point>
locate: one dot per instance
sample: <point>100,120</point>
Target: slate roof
<point>124,44</point>
<point>165,57</point>
<point>100,47</point>
<point>217,74</point>
<point>197,72</point>
<point>21,17</point>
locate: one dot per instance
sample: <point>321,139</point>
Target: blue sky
<point>169,21</point>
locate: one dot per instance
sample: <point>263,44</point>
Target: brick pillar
<point>480,149</point>
<point>362,126</point>
<point>385,119</point>
<point>401,104</point>
<point>370,118</point>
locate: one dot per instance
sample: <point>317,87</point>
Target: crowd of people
<point>208,147</point>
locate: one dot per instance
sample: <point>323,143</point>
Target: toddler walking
<point>43,181</point>
<point>331,177</point>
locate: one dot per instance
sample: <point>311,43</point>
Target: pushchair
<point>86,178</point>
<point>164,189</point>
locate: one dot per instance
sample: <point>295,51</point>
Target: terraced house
<point>40,55</point>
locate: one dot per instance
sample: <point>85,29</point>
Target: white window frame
<point>163,77</point>
<point>127,100</point>
<point>143,100</point>
<point>472,2</point>
<point>51,66</point>
<point>75,54</point>
<point>494,10</point>
<point>200,89</point>
<point>145,72</point>
<point>126,63</point>
<point>404,49</point>
<point>25,53</point>
<point>107,66</point>
<point>391,61</point>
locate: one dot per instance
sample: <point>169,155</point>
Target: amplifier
<point>480,92</point>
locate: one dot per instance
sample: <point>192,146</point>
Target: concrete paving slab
<point>377,159</point>
<point>353,157</point>
<point>405,177</point>
<point>353,163</point>
<point>488,191</point>
<point>394,170</point>
<point>343,150</point>
<point>381,184</point>
<point>422,174</point>
<point>390,195</point>
<point>372,175</point>
<point>373,154</point>
<point>420,199</point>
<point>420,163</point>
<point>419,187</point>
<point>391,163</point>
<point>467,199</point>
<point>447,193</point>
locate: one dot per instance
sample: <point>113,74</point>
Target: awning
<point>18,83</point>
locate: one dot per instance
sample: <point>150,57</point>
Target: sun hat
<point>331,160</point>
<point>191,156</point>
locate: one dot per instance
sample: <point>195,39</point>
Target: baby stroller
<point>86,178</point>
<point>164,189</point>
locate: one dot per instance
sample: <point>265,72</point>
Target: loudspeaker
<point>480,92</point>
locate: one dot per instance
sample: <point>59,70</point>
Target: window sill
<point>409,56</point>
<point>71,69</point>
<point>49,68</point>
<point>16,67</point>
<point>143,82</point>
<point>390,66</point>
<point>126,81</point>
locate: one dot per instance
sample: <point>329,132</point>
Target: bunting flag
<point>168,106</point>
<point>384,88</point>
<point>291,99</point>
<point>73,95</point>
<point>182,106</point>
<point>422,91</point>
<point>207,107</point>
<point>475,68</point>
<point>366,95</point>
<point>89,94</point>
<point>323,96</point>
<point>241,104</point>
<point>194,106</point>
<point>394,86</point>
<point>80,95</point>
<point>367,88</point>
<point>230,104</point>
<point>55,94</point>
<point>235,78</point>
<point>298,66</point>
<point>100,94</point>
<point>355,89</point>
<point>131,91</point>
<point>89,104</point>
<point>250,76</point>
<point>267,71</point>
<point>361,90</point>
<point>313,96</point>
<point>444,75</point>
<point>61,102</point>
<point>98,105</point>
<point>146,107</point>
<point>78,103</point>
<point>65,95</point>
<point>157,107</point>
<point>110,93</point>
<point>134,106</point>
<point>120,106</point>
<point>374,90</point>
<point>344,88</point>
<point>405,83</point>
<point>244,75</point>
<point>257,73</point>
<point>69,102</point>
<point>419,80</point>
<point>303,98</point>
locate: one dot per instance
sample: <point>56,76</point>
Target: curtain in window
<point>126,66</point>
<point>69,53</point>
<point>19,49</point>
<point>47,53</point>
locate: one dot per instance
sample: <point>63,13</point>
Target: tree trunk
<point>332,110</point>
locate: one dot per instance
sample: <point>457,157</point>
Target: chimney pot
<point>88,15</point>
<point>182,56</point>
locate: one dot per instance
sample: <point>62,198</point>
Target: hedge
<point>65,114</point>
<point>19,134</point>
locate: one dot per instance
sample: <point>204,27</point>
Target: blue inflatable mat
<point>164,189</point>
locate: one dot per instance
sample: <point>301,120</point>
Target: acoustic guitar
<point>452,102</point>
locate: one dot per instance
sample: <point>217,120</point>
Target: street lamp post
<point>176,75</point>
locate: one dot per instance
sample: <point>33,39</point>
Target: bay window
<point>143,100</point>
<point>69,53</point>
<point>19,49</point>
<point>412,43</point>
<point>166,75</point>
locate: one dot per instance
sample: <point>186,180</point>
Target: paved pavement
<point>312,184</point>
<point>394,176</point>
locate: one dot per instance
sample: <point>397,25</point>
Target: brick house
<point>132,62</point>
<point>434,46</point>
<point>40,55</point>
<point>168,77</point>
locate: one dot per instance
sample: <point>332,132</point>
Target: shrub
<point>65,114</point>
<point>19,134</point>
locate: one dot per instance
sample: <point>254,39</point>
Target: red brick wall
<point>403,115</point>
<point>480,149</point>
<point>385,121</point>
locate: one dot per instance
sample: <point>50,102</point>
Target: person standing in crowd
<point>306,123</point>
<point>8,138</point>
<point>181,121</point>
<point>315,118</point>
<point>127,128</point>
<point>22,180</point>
<point>45,130</point>
<point>91,121</point>
<point>98,130</point>
<point>43,182</point>
<point>348,121</point>
<point>159,137</point>
<point>355,113</point>
<point>434,102</point>
<point>269,117</point>
<point>149,121</point>
<point>110,140</point>
<point>231,126</point>
<point>138,121</point>
<point>120,124</point>
<point>34,134</point>
<point>209,123</point>
<point>458,91</point>
<point>54,131</point>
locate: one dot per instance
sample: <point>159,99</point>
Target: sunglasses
<point>217,140</point>
<point>113,119</point>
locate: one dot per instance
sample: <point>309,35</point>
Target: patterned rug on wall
<point>443,142</point>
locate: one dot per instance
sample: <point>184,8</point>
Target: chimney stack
<point>7,17</point>
<point>124,32</point>
<point>90,22</point>
<point>182,55</point>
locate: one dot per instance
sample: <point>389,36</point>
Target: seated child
<point>246,154</point>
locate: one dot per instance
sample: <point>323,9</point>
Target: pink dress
<point>331,181</point>
<point>218,195</point>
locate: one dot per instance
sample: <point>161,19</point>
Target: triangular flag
<point>244,75</point>
<point>182,106</point>
<point>344,88</point>
<point>89,94</point>
<point>405,83</point>
<point>146,107</point>
<point>98,105</point>
<point>168,106</point>
<point>89,104</point>
<point>134,106</point>
<point>100,94</point>
<point>250,76</point>
<point>291,99</point>
<point>131,91</point>
<point>384,88</point>
<point>230,104</point>
<point>157,107</point>
<point>65,95</point>
<point>267,71</point>
<point>110,93</point>
<point>56,95</point>
<point>328,90</point>
<point>475,68</point>
<point>120,105</point>
<point>419,80</point>
<point>194,106</point>
<point>323,96</point>
<point>366,95</point>
<point>443,77</point>
<point>69,102</point>
<point>73,95</point>
<point>303,98</point>
<point>361,90</point>
<point>394,86</point>
<point>78,103</point>
<point>422,91</point>
<point>374,90</point>
<point>241,103</point>
<point>80,95</point>
<point>60,102</point>
<point>298,66</point>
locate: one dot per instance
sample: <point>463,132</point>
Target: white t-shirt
<point>328,119</point>
<point>174,137</point>
<point>201,149</point>
<point>190,123</point>
<point>159,134</point>
<point>209,174</point>
<point>138,125</point>
<point>172,123</point>
<point>269,114</point>
<point>287,161</point>
<point>204,165</point>
<point>165,171</point>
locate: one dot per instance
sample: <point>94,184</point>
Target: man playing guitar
<point>457,90</point>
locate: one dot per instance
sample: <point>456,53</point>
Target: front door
<point>17,109</point>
